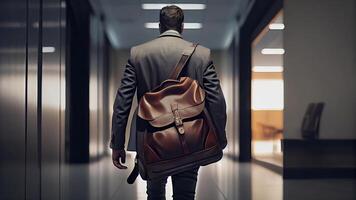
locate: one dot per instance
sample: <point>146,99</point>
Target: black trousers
<point>184,185</point>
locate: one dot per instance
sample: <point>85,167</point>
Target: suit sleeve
<point>215,101</point>
<point>122,107</point>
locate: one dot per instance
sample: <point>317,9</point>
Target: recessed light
<point>151,25</point>
<point>267,69</point>
<point>155,25</point>
<point>193,25</point>
<point>272,51</point>
<point>276,26</point>
<point>184,6</point>
<point>48,49</point>
<point>12,25</point>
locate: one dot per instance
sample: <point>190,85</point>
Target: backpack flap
<point>158,108</point>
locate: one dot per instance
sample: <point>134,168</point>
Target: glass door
<point>268,92</point>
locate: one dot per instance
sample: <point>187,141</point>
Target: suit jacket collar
<point>173,33</point>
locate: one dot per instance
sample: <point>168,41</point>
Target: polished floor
<point>225,180</point>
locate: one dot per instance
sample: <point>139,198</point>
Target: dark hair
<point>171,17</point>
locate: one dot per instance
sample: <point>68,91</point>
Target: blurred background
<point>287,70</point>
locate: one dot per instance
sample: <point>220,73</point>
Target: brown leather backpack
<point>179,133</point>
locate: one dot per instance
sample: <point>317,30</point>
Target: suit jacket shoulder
<point>166,46</point>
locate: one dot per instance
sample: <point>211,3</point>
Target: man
<point>150,64</point>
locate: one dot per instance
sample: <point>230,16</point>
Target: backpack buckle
<point>177,119</point>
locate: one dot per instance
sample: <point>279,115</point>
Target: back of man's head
<point>171,18</point>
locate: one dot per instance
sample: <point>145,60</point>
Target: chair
<point>311,121</point>
<point>310,125</point>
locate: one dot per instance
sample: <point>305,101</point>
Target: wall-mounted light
<point>48,49</point>
<point>184,6</point>
<point>276,26</point>
<point>273,51</point>
<point>267,69</point>
<point>155,25</point>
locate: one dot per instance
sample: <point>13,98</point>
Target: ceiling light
<point>272,51</point>
<point>155,25</point>
<point>276,26</point>
<point>267,69</point>
<point>12,25</point>
<point>49,24</point>
<point>184,6</point>
<point>193,25</point>
<point>48,49</point>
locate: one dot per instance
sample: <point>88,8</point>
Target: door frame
<point>260,14</point>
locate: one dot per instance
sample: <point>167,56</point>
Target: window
<point>267,89</point>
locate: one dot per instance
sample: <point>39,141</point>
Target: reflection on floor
<point>225,180</point>
<point>274,159</point>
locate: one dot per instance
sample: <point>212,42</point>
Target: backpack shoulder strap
<point>187,53</point>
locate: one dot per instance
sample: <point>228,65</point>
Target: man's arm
<point>121,111</point>
<point>122,107</point>
<point>215,101</point>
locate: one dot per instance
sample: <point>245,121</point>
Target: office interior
<point>287,69</point>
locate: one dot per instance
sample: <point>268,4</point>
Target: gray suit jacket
<point>150,64</point>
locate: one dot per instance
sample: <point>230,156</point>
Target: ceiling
<point>272,39</point>
<point>125,21</point>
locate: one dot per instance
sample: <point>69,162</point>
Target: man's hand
<point>116,155</point>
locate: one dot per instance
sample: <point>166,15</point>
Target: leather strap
<point>134,173</point>
<point>187,53</point>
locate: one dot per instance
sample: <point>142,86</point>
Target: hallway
<point>286,69</point>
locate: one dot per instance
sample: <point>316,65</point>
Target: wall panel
<point>97,100</point>
<point>223,62</point>
<point>50,98</point>
<point>32,148</point>
<point>12,98</point>
<point>320,64</point>
<point>93,89</point>
<point>31,99</point>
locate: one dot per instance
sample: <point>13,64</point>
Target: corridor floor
<point>225,180</point>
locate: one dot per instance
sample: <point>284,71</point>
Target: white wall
<point>223,63</point>
<point>320,65</point>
